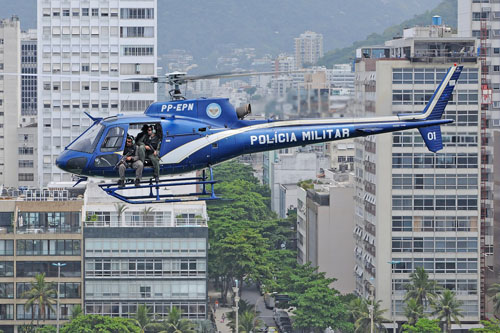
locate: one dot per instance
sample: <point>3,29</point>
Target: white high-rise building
<point>480,19</point>
<point>308,48</point>
<point>415,208</point>
<point>83,48</point>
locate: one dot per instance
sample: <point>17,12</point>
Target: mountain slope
<point>447,9</point>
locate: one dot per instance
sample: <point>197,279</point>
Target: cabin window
<point>113,140</point>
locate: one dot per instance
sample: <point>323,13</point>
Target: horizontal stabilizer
<point>432,137</point>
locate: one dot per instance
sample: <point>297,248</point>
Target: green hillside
<point>447,9</point>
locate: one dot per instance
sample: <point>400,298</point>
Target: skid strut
<point>155,194</point>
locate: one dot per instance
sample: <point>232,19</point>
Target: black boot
<point>121,183</point>
<point>137,182</point>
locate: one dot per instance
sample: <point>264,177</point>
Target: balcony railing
<point>47,230</point>
<point>178,222</point>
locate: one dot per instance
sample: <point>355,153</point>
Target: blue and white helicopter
<point>197,134</point>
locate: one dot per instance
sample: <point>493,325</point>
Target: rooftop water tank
<point>436,20</point>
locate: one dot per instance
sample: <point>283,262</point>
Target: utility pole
<point>393,300</point>
<point>236,300</point>
<point>59,265</point>
<point>371,307</point>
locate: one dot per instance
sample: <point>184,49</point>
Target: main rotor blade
<point>234,74</point>
<point>82,77</point>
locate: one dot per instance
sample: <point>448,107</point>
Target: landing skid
<point>155,196</point>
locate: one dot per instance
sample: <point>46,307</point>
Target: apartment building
<point>481,19</point>
<point>83,48</point>
<point>137,254</point>
<point>308,48</point>
<point>324,226</point>
<point>38,229</point>
<point>414,208</point>
<point>10,98</point>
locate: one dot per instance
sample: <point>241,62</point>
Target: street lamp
<point>236,300</point>
<point>393,300</point>
<point>59,265</point>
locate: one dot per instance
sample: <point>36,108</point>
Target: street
<point>252,295</point>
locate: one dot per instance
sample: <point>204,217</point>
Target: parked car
<point>269,301</point>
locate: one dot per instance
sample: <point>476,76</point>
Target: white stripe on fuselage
<point>184,151</point>
<point>179,154</point>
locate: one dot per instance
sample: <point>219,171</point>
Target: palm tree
<point>446,307</point>
<point>147,212</point>
<point>120,209</point>
<point>76,311</point>
<point>142,317</point>
<point>248,321</point>
<point>413,311</point>
<point>243,306</point>
<point>174,323</point>
<point>494,292</point>
<point>41,294</point>
<point>421,288</point>
<point>360,310</point>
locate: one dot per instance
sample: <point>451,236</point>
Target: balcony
<point>148,223</point>
<point>47,230</point>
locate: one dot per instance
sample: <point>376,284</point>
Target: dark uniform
<point>134,162</point>
<point>139,141</point>
<point>153,142</point>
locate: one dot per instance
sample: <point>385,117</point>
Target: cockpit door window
<point>113,140</point>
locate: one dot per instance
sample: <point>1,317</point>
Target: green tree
<point>413,311</point>
<point>320,307</point>
<point>248,321</point>
<point>490,326</point>
<point>142,317</point>
<point>41,295</point>
<point>423,325</point>
<point>420,287</point>
<point>363,318</point>
<point>76,311</point>
<point>494,292</point>
<point>97,323</point>
<point>175,324</point>
<point>446,308</point>
<point>147,214</point>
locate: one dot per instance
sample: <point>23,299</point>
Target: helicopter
<point>199,133</point>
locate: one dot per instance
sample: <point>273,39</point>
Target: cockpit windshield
<point>88,141</point>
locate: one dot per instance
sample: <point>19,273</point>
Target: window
<point>85,12</point>
<point>31,268</point>
<point>6,247</point>
<point>65,12</point>
<point>95,11</point>
<point>6,290</point>
<point>27,177</point>
<point>6,268</point>
<point>113,140</point>
<point>136,32</point>
<point>137,50</point>
<point>137,13</point>
<point>7,311</point>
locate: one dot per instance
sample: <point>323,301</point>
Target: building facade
<point>83,48</point>
<point>37,230</point>
<point>10,99</point>
<point>481,19</point>
<point>28,82</point>
<point>324,225</point>
<point>415,208</point>
<point>144,255</point>
<point>308,48</point>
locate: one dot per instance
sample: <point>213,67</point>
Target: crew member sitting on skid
<point>152,145</point>
<point>130,159</point>
<point>139,141</point>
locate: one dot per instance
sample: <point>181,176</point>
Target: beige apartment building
<point>37,230</point>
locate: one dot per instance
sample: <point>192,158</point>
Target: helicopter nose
<point>71,162</point>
